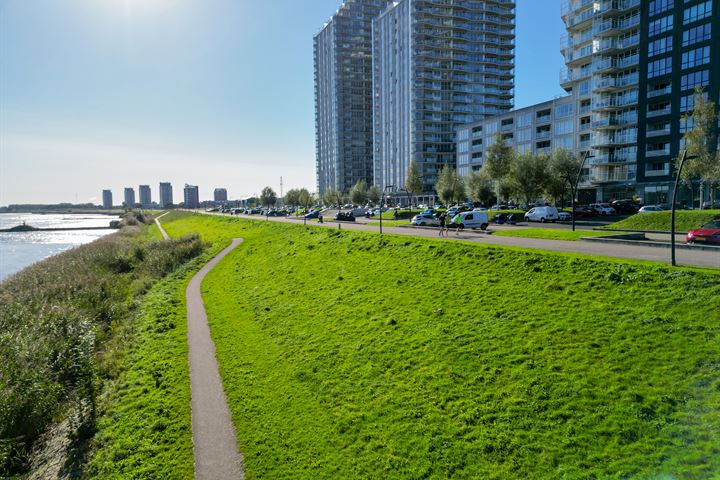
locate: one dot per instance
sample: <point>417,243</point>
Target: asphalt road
<point>695,258</point>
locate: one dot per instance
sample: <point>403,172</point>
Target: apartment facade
<point>129,195</point>
<point>343,96</point>
<point>635,63</point>
<point>145,196</point>
<point>192,196</point>
<point>220,195</point>
<point>107,199</point>
<point>436,66</point>
<point>166,194</point>
<point>536,129</point>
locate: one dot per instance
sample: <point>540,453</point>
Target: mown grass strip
<point>348,355</point>
<point>660,221</point>
<point>549,233</point>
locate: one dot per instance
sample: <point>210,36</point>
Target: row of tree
<point>508,174</point>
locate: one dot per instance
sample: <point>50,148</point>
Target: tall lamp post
<point>574,187</point>
<point>683,156</point>
<point>382,202</point>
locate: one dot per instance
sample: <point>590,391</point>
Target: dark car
<point>584,211</point>
<point>313,214</point>
<point>625,206</point>
<point>707,234</point>
<point>344,217</point>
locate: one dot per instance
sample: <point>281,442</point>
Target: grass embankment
<point>65,327</point>
<point>549,233</point>
<point>660,221</point>
<point>348,355</point>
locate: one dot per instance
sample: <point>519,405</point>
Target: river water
<point>22,249</point>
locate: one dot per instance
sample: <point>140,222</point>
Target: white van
<point>542,215</point>
<point>471,220</point>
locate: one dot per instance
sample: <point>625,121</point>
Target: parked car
<point>542,214</point>
<point>425,219</point>
<point>313,214</point>
<point>564,216</point>
<point>603,208</point>
<point>708,233</point>
<point>625,206</point>
<point>428,211</point>
<point>650,208</point>
<point>472,220</point>
<point>584,211</point>
<point>344,217</point>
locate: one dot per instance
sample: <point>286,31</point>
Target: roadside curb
<point>649,243</point>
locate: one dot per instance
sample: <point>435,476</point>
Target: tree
<point>414,181</point>
<point>304,198</point>
<point>527,175</point>
<point>701,144</point>
<point>498,160</point>
<point>374,194</point>
<point>562,173</point>
<point>268,197</point>
<point>332,196</point>
<point>292,197</point>
<point>480,187</point>
<point>449,186</point>
<point>359,192</point>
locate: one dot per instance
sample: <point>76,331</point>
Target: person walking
<point>442,218</point>
<point>457,220</point>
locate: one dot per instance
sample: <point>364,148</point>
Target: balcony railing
<point>605,177</point>
<point>543,135</point>
<point>657,153</point>
<point>660,112</point>
<point>659,92</point>
<point>663,172</point>
<point>658,133</point>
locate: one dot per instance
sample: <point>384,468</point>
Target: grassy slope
<point>144,430</point>
<point>660,221</point>
<point>549,233</point>
<point>428,359</point>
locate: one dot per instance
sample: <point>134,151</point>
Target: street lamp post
<point>574,188</point>
<point>683,157</point>
<point>382,198</point>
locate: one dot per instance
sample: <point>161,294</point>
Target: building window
<point>693,58</point>
<point>697,34</point>
<point>695,79</point>
<point>463,159</point>
<point>477,142</point>
<point>697,12</point>
<point>524,135</point>
<point>659,46</point>
<point>584,88</point>
<point>659,6</point>
<point>660,67</point>
<point>463,147</point>
<point>525,120</point>
<point>477,155</point>
<point>564,142</point>
<point>661,25</point>
<point>491,128</point>
<point>564,126</point>
<point>463,134</point>
<point>477,129</point>
<point>687,102</point>
<point>563,110</point>
<point>687,123</point>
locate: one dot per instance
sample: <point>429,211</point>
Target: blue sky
<point>111,93</point>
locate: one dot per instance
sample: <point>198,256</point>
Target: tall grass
<point>57,320</point>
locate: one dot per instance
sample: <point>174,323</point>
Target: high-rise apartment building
<point>437,65</point>
<point>145,196</point>
<point>192,196</point>
<point>633,65</point>
<point>107,199</point>
<point>343,96</point>
<point>220,195</point>
<point>129,197</point>
<point>166,194</point>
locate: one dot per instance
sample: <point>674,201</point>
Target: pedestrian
<point>458,223</point>
<point>395,215</point>
<point>442,218</point>
<point>320,220</point>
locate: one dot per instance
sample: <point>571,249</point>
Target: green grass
<point>390,223</point>
<point>348,355</point>
<point>549,233</point>
<point>660,221</point>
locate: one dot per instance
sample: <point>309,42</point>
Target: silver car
<point>425,220</point>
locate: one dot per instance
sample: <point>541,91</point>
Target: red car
<point>584,211</point>
<point>708,233</point>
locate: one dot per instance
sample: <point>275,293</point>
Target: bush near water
<point>60,326</point>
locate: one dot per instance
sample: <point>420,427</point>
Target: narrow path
<point>214,444</point>
<point>162,230</point>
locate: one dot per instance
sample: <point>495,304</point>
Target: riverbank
<point>68,326</point>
